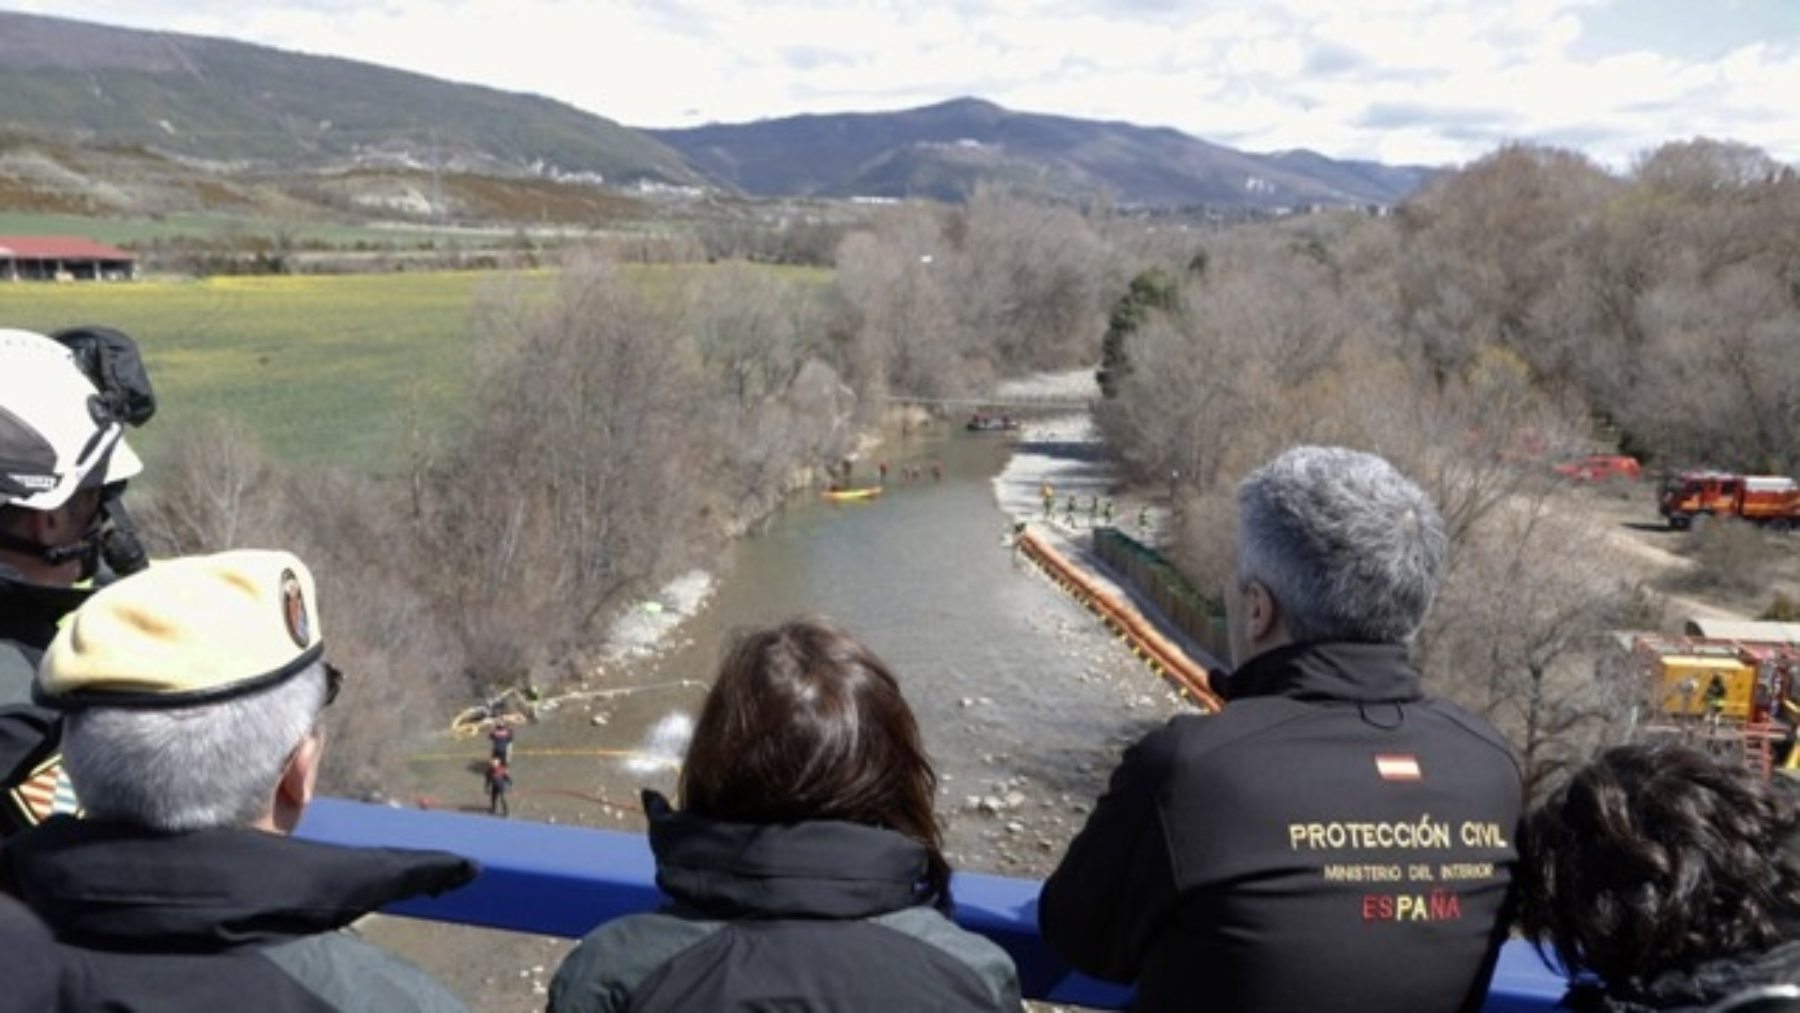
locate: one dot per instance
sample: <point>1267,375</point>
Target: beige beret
<point>186,631</point>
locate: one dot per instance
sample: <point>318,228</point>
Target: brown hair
<point>806,723</point>
<point>1655,858</point>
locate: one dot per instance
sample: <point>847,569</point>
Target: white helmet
<point>56,433</point>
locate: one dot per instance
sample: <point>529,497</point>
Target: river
<point>1023,699</point>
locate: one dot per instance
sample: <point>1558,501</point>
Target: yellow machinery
<point>1683,684</point>
<point>1755,683</point>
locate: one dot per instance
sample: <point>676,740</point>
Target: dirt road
<point>1624,516</point>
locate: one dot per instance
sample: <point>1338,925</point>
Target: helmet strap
<point>86,548</point>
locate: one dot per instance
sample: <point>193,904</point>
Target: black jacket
<point>29,614</point>
<point>29,735</point>
<point>1331,840</point>
<point>221,919</point>
<point>801,917</point>
<point>33,965</point>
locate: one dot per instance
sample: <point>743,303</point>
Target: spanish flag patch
<point>1398,767</point>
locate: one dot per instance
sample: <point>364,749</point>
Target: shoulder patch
<point>1398,767</point>
<point>43,792</point>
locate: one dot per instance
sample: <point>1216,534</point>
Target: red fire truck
<point>1690,496</point>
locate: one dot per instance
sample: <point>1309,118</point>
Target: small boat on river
<point>979,423</point>
<point>852,495</point>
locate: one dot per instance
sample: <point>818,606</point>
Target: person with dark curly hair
<point>1669,875</point>
<point>805,865</point>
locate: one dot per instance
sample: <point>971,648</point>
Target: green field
<point>321,369</point>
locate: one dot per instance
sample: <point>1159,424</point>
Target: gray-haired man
<point>1333,839</point>
<point>193,692</point>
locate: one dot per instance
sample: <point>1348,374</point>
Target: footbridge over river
<point>1010,403</point>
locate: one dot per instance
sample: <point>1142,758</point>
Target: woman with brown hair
<point>1669,875</point>
<point>805,867</point>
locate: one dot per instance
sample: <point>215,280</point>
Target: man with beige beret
<point>192,695</point>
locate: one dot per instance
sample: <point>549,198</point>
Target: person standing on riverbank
<point>499,783</point>
<point>1334,839</point>
<point>500,739</point>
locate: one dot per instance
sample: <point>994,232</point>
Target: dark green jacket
<point>820,916</point>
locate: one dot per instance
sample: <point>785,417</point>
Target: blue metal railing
<point>563,881</point>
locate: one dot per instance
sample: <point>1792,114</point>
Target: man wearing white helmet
<point>65,402</point>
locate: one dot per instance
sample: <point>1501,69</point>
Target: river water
<point>1023,699</point>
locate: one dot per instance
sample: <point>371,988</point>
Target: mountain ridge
<point>831,154</point>
<point>233,101</point>
<point>237,106</point>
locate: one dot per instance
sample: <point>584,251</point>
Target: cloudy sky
<point>1431,81</point>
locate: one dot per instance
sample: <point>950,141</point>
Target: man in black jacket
<point>193,693</point>
<point>1333,839</point>
<point>33,965</point>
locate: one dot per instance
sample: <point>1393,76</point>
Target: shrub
<point>1782,609</point>
<point>1728,555</point>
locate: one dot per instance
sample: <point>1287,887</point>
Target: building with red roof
<point>63,258</point>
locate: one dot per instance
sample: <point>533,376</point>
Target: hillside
<point>209,123</point>
<point>225,101</point>
<point>943,150</point>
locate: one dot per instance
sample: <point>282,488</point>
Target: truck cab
<point>1692,494</point>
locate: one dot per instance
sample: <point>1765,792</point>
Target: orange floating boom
<point>1163,656</point>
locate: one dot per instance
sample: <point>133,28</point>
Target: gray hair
<point>191,768</point>
<point>1349,548</point>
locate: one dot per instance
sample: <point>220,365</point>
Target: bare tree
<point>1488,244</point>
<point>1030,284</point>
<point>1725,387</point>
<point>217,491</point>
<point>750,329</point>
<point>905,339</point>
<point>1522,623</point>
<point>213,492</point>
<point>581,458</point>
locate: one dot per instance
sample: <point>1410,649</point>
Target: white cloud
<point>1398,80</point>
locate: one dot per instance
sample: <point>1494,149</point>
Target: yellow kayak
<point>848,495</point>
